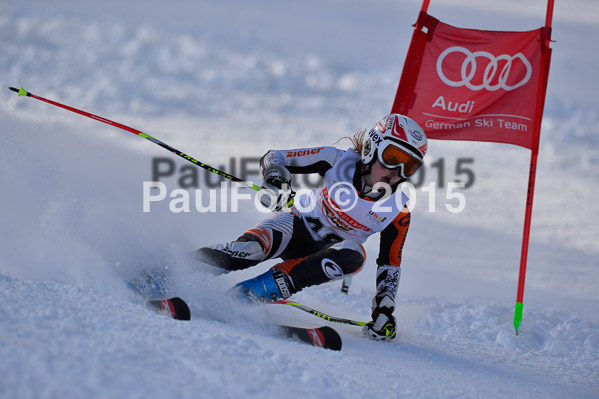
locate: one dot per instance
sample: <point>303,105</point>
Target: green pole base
<point>518,315</point>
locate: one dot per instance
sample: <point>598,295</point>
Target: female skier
<point>319,239</point>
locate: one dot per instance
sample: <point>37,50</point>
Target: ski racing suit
<point>320,239</point>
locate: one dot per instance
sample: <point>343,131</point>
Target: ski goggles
<point>391,156</point>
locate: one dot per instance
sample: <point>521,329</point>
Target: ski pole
<point>345,285</point>
<point>319,314</point>
<point>22,92</point>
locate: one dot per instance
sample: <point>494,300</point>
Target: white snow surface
<point>230,79</point>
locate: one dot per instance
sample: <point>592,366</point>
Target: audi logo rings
<point>469,66</point>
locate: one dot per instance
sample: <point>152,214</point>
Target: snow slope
<point>226,80</point>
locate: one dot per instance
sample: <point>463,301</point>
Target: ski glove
<point>276,191</point>
<point>382,326</point>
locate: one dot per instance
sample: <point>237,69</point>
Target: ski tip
<point>22,92</point>
<point>322,337</point>
<point>333,339</point>
<point>182,311</point>
<point>174,307</point>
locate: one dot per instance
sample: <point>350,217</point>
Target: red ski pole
<point>22,93</point>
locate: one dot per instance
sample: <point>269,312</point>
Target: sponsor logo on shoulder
<point>301,153</point>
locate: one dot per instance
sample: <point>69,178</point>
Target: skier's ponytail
<point>357,140</point>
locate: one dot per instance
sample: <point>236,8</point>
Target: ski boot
<point>267,287</point>
<point>151,284</point>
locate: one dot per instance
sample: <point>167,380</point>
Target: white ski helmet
<point>397,142</point>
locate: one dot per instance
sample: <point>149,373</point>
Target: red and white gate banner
<point>467,84</point>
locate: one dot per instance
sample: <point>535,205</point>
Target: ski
<point>321,337</point>
<point>172,307</point>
